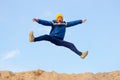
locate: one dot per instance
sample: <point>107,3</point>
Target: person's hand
<point>35,20</point>
<point>84,20</point>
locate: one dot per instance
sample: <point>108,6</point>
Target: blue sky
<point>100,35</point>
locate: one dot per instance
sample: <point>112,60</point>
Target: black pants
<point>58,42</point>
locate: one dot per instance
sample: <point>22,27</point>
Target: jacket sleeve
<point>44,22</point>
<point>72,23</point>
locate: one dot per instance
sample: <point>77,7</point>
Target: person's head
<point>59,18</point>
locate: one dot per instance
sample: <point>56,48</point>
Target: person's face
<point>60,20</point>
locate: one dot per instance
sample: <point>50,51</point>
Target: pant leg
<point>69,45</point>
<point>49,38</point>
<point>41,38</point>
<point>72,47</point>
<point>58,42</point>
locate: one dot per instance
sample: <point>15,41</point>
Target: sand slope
<point>42,75</point>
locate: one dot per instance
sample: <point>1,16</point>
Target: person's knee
<point>70,44</point>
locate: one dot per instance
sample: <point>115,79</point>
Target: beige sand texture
<point>43,75</point>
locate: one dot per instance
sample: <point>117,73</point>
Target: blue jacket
<point>58,30</point>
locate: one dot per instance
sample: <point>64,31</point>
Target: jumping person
<point>57,33</point>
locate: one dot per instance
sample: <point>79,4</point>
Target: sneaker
<point>84,54</point>
<point>31,36</point>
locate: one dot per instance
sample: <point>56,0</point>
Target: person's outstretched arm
<point>43,22</point>
<point>72,23</point>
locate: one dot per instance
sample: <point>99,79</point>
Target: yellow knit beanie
<point>59,15</point>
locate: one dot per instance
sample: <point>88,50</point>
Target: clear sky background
<point>100,35</point>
